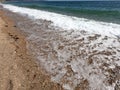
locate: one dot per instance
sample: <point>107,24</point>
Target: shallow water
<point>108,11</point>
<point>69,22</point>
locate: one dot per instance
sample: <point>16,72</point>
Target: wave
<point>69,22</point>
<point>101,14</point>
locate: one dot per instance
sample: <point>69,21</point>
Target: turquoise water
<point>108,11</point>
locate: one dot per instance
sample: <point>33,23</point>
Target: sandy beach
<point>18,70</point>
<point>40,50</point>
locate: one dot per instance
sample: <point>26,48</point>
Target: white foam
<point>69,22</point>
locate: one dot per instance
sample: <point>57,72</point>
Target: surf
<point>69,22</point>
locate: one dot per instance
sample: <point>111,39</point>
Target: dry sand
<point>18,70</point>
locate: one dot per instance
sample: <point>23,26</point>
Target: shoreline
<point>74,59</point>
<point>23,73</point>
<point>69,22</point>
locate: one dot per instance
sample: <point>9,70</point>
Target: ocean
<point>101,17</point>
<point>108,11</point>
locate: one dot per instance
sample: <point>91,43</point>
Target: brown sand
<point>18,70</point>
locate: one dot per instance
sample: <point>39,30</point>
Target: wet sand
<point>18,69</point>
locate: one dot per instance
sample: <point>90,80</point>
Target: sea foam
<point>69,22</point>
